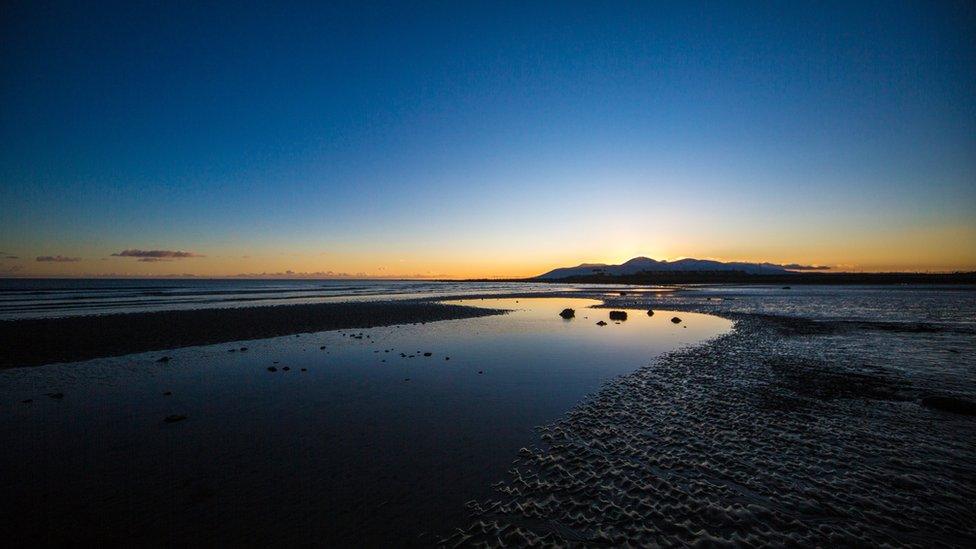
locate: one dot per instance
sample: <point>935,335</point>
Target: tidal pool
<point>364,441</point>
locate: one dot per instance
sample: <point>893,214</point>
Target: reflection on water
<point>367,440</point>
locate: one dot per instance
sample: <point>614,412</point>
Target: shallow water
<point>366,446</point>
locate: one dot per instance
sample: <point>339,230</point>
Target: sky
<point>465,139</point>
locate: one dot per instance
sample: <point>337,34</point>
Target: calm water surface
<point>33,298</point>
<point>366,446</point>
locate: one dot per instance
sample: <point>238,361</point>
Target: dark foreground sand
<point>42,341</point>
<point>785,432</point>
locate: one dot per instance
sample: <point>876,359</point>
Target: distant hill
<point>640,265</point>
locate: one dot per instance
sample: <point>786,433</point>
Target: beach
<point>30,342</point>
<point>729,415</point>
<point>791,430</point>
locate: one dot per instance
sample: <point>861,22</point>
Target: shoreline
<point>686,447</point>
<point>689,447</point>
<point>35,342</point>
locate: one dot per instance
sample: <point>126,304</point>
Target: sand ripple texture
<point>786,431</point>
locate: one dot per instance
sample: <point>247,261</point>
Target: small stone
<point>481,371</point>
<point>272,369</point>
<point>304,369</point>
<point>164,359</point>
<point>322,348</point>
<point>406,379</point>
<point>618,315</point>
<point>55,396</point>
<point>676,320</point>
<point>650,312</point>
<point>174,418</point>
<point>286,368</point>
<point>168,393</point>
<point>601,323</point>
<point>243,349</point>
<point>428,354</point>
<point>447,358</point>
<point>567,313</point>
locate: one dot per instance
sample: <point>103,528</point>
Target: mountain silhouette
<point>645,264</point>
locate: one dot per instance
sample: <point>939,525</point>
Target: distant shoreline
<point>34,342</point>
<point>739,277</point>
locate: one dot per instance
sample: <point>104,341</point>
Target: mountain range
<point>645,264</point>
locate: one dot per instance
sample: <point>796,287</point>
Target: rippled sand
<point>787,431</point>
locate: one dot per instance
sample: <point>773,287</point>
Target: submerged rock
<point>618,315</point>
<point>568,313</point>
<point>950,404</point>
<point>676,320</point>
<point>601,323</point>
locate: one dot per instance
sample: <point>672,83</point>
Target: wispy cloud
<point>57,258</point>
<point>156,255</point>
<point>798,267</point>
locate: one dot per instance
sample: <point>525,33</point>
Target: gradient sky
<point>502,139</point>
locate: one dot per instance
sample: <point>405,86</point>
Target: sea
<point>34,298</point>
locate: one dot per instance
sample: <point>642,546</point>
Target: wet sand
<point>825,420</point>
<point>34,342</point>
<point>791,430</point>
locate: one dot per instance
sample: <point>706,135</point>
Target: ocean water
<point>32,298</point>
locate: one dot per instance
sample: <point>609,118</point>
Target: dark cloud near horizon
<point>57,259</point>
<point>154,255</point>
<point>797,267</point>
<point>152,259</point>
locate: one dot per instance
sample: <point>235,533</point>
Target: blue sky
<point>500,139</point>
